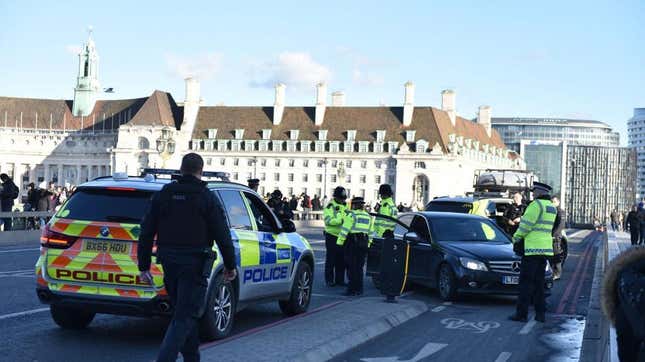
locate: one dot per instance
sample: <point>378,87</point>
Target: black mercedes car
<point>456,253</point>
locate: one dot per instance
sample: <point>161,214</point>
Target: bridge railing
<point>25,220</point>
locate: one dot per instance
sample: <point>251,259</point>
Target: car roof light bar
<point>224,176</point>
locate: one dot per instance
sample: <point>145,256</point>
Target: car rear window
<point>443,206</point>
<point>126,206</point>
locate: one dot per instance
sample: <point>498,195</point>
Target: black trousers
<point>641,234</point>
<point>334,261</point>
<point>355,255</point>
<point>186,288</point>
<point>634,234</point>
<point>532,285</point>
<point>7,220</point>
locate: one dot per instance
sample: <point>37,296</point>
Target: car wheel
<point>300,296</point>
<point>447,283</point>
<point>71,318</point>
<point>218,318</point>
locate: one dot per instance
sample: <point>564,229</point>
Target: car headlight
<point>472,264</point>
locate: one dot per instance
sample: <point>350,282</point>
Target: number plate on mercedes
<point>512,279</point>
<point>105,246</point>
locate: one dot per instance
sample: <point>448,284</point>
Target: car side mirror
<point>288,226</point>
<point>411,238</point>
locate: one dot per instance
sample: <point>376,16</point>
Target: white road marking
<point>475,327</point>
<point>320,262</point>
<point>17,250</point>
<point>427,350</point>
<point>528,326</point>
<point>503,357</point>
<point>438,309</point>
<point>17,271</point>
<point>328,295</point>
<point>19,314</point>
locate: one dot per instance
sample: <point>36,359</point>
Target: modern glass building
<point>636,139</point>
<point>573,131</point>
<point>545,160</point>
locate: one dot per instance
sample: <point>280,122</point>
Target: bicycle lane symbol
<point>475,327</point>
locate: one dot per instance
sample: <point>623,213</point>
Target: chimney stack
<point>484,118</point>
<point>408,104</point>
<point>278,106</point>
<point>448,104</point>
<point>191,105</point>
<point>321,103</point>
<point>338,99</point>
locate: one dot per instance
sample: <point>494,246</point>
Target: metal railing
<point>26,220</point>
<point>307,215</point>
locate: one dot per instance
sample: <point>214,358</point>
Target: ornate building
<point>422,151</point>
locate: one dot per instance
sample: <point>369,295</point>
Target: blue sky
<point>580,59</point>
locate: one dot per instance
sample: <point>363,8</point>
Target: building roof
<point>157,109</point>
<point>548,121</point>
<point>431,124</point>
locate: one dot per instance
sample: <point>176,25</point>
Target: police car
<point>88,257</point>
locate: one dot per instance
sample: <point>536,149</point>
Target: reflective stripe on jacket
<point>536,226</point>
<point>387,208</point>
<point>333,215</point>
<point>356,222</point>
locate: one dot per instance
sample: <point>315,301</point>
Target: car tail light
<point>52,239</point>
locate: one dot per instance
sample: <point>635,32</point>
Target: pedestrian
<point>315,203</point>
<point>558,228</point>
<point>333,215</point>
<point>293,203</point>
<point>185,217</point>
<point>279,207</point>
<point>623,302</point>
<point>614,220</point>
<point>254,183</point>
<point>512,214</point>
<point>355,238</point>
<point>641,222</point>
<point>620,221</point>
<point>33,195</point>
<point>633,224</point>
<point>385,227</point>
<point>533,241</point>
<point>44,202</point>
<point>8,193</point>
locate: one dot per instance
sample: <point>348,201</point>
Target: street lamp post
<point>165,146</point>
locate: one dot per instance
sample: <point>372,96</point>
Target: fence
<point>20,220</point>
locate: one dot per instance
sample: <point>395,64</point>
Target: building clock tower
<point>87,83</point>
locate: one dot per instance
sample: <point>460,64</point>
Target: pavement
<point>336,327</point>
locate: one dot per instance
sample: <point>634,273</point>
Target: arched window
<point>86,70</point>
<point>144,144</point>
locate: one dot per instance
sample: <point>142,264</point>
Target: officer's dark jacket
<point>512,212</point>
<point>641,216</point>
<point>632,219</point>
<point>185,216</point>
<point>558,225</point>
<point>280,208</point>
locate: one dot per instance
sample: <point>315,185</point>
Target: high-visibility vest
<point>355,222</point>
<point>536,226</point>
<point>333,215</point>
<point>387,208</point>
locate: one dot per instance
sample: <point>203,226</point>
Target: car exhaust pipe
<point>164,307</point>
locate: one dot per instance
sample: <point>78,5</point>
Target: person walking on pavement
<point>558,228</point>
<point>333,215</point>
<point>633,224</point>
<point>513,214</point>
<point>8,193</point>
<point>614,220</point>
<point>186,217</point>
<point>641,222</point>
<point>355,238</point>
<point>535,233</point>
<point>385,227</point>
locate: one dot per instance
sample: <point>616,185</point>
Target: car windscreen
<point>466,229</point>
<point>449,206</point>
<point>112,205</point>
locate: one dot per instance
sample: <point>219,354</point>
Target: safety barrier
<point>307,215</point>
<point>25,220</point>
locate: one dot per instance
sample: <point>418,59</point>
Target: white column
<point>60,175</point>
<point>47,175</point>
<point>18,172</point>
<point>32,172</point>
<point>78,174</point>
<point>89,172</point>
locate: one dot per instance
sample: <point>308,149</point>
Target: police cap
<point>253,182</point>
<point>541,189</point>
<point>340,193</point>
<point>277,194</point>
<point>358,200</point>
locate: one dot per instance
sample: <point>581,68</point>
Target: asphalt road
<point>465,329</point>
<point>29,334</point>
<point>477,329</point>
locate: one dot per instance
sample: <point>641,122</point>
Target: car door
<point>423,253</point>
<point>248,253</point>
<point>275,247</point>
<point>374,252</point>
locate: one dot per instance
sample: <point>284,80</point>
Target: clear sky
<point>579,59</point>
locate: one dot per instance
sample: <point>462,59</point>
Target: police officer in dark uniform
<point>279,207</point>
<point>186,217</point>
<point>512,214</point>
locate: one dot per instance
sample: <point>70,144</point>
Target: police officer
<point>355,237</point>
<point>384,227</point>
<point>535,232</point>
<point>253,183</point>
<point>334,257</point>
<point>558,228</point>
<point>280,208</point>
<point>186,217</point>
